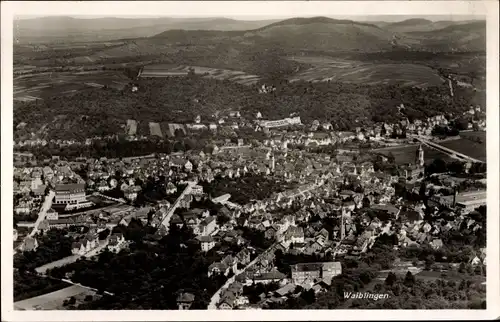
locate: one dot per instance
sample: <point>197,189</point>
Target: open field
<point>163,70</point>
<point>350,71</point>
<point>449,276</point>
<point>131,127</point>
<point>54,300</point>
<point>406,154</point>
<point>469,147</point>
<point>49,84</point>
<point>154,129</point>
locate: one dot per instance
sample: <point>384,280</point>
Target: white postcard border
<point>249,8</point>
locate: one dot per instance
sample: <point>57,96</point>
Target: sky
<point>388,18</point>
<point>255,10</point>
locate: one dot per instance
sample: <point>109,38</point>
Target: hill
<point>59,29</point>
<point>465,36</point>
<point>315,20</point>
<point>411,22</point>
<point>422,25</point>
<point>318,33</point>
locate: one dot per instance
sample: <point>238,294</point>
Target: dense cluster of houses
<point>344,187</point>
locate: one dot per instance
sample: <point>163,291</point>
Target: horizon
<point>366,18</point>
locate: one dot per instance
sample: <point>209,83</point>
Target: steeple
<point>273,162</point>
<point>419,158</point>
<point>342,227</point>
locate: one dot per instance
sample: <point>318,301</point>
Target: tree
<point>429,261</point>
<point>390,158</point>
<point>391,279</point>
<point>437,166</point>
<point>409,279</point>
<point>72,300</point>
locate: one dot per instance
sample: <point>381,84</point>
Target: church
<point>412,172</point>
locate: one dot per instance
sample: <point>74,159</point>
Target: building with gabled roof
<point>318,271</point>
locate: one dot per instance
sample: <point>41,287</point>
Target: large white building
<point>71,195</point>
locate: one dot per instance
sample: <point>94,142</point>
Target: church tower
<point>419,157</point>
<point>342,227</point>
<point>273,162</point>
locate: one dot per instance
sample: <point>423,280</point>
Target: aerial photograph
<point>221,163</point>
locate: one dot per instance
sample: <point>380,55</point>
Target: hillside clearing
<point>154,129</point>
<point>164,70</point>
<point>131,127</point>
<point>349,71</point>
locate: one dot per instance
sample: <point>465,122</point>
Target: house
<point>191,220</point>
<point>387,208</point>
<point>243,256</point>
<point>51,214</point>
<point>228,300</point>
<point>85,245</point>
<point>285,290</point>
<point>293,235</point>
<point>318,271</point>
<point>475,261</point>
<point>322,236</point>
<point>185,300</point>
<point>436,243</point>
<point>207,226</point>
<point>176,220</point>
<point>206,243</point>
<point>116,241</point>
<point>271,232</point>
<point>170,188</point>
<point>410,217</point>
<point>269,277</point>
<point>23,208</point>
<point>196,190</point>
<point>223,267</point>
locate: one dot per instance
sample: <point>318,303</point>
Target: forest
<point>149,275</point>
<point>28,285</point>
<point>53,245</point>
<point>100,112</point>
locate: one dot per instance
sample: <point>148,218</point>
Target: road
<point>216,297</point>
<point>166,219</point>
<point>73,258</point>
<point>454,154</point>
<point>47,204</point>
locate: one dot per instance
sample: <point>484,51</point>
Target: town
<point>285,219</point>
<point>192,162</point>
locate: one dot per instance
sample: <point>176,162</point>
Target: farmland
<point>131,127</point>
<point>162,70</point>
<point>350,71</point>
<point>48,84</point>
<point>155,129</point>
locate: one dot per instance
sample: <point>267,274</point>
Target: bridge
<point>165,221</point>
<point>454,154</point>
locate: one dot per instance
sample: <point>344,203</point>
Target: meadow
<point>350,71</point>
<point>469,145</point>
<point>49,84</point>
<point>167,70</point>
